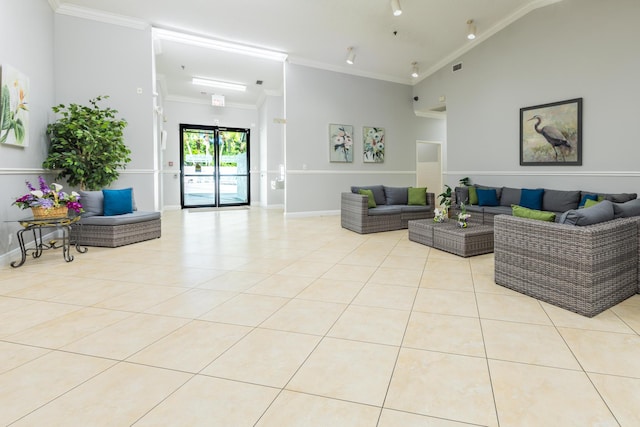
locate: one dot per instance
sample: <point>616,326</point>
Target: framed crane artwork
<point>551,134</point>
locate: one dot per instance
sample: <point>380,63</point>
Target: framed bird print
<point>340,143</point>
<point>551,134</point>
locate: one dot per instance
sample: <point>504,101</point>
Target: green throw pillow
<point>523,212</point>
<point>590,202</point>
<point>369,193</point>
<point>417,196</point>
<point>473,196</point>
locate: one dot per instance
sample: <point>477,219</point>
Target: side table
<point>477,239</point>
<point>36,226</point>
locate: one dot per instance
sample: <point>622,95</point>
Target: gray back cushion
<point>377,190</point>
<point>627,209</point>
<point>510,196</point>
<point>462,195</point>
<point>621,197</point>
<point>92,202</point>
<point>396,195</point>
<point>601,212</point>
<point>560,201</point>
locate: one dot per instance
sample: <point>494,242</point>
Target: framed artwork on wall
<point>14,111</point>
<point>373,143</point>
<point>551,134</point>
<point>340,143</point>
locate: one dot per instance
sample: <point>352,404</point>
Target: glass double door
<point>214,166</point>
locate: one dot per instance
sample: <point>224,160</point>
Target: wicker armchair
<point>582,269</point>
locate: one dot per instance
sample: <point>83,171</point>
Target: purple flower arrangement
<point>48,197</point>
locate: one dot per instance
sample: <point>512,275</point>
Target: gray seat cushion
<point>416,208</point>
<point>385,210</point>
<point>130,218</point>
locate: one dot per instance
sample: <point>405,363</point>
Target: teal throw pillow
<point>487,197</point>
<point>523,212</point>
<point>587,197</point>
<point>369,194</point>
<point>531,199</point>
<point>417,196</point>
<point>117,202</point>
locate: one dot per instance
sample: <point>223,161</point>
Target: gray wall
<point>177,113</point>
<point>315,98</point>
<point>571,49</point>
<point>25,43</point>
<point>94,58</point>
<point>271,150</point>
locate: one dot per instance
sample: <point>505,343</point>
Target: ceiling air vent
<point>457,67</point>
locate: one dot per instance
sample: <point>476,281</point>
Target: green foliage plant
<point>87,145</point>
<point>464,182</point>
<point>445,197</point>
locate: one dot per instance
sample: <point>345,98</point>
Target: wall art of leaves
<point>14,107</point>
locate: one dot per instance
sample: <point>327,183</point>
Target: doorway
<point>214,165</point>
<point>429,166</point>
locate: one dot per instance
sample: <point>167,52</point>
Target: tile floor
<point>247,318</point>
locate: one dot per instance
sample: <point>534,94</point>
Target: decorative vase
<point>46,213</point>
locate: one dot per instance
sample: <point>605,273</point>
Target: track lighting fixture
<point>351,57</point>
<point>414,70</point>
<point>471,29</point>
<point>395,6</point>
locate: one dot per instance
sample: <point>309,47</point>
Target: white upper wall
<point>573,49</point>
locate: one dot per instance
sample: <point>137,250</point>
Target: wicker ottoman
<point>477,239</point>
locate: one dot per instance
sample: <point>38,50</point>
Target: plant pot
<point>46,213</point>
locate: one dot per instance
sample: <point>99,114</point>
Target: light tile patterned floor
<point>248,318</point>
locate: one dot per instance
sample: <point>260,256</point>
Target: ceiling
<point>313,33</point>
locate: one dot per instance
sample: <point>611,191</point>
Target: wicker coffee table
<point>476,239</point>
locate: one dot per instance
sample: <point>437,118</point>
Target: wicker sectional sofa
<point>391,213</point>
<point>556,201</point>
<point>584,269</point>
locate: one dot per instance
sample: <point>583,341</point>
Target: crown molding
<point>431,114</point>
<point>97,15</point>
<point>54,4</point>
<point>348,70</point>
<point>485,35</point>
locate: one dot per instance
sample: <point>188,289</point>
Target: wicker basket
<point>45,213</point>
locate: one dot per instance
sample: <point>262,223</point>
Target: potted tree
<point>87,145</point>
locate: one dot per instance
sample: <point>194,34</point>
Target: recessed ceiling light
<point>220,85</point>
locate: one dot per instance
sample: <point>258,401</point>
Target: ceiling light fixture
<point>351,57</point>
<point>220,85</point>
<point>471,29</point>
<point>198,41</point>
<point>395,6</point>
<point>414,70</point>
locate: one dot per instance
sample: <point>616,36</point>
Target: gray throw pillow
<point>462,195</point>
<point>560,201</point>
<point>595,214</point>
<point>510,196</point>
<point>92,202</point>
<point>396,195</point>
<point>627,209</point>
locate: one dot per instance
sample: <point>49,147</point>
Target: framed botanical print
<point>373,144</point>
<point>340,143</point>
